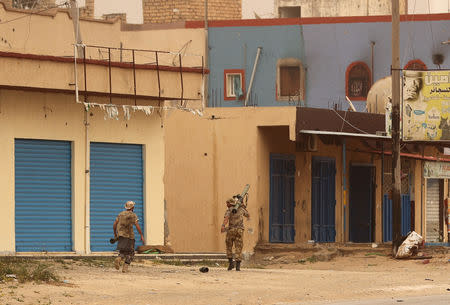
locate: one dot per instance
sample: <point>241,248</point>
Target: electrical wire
<point>365,132</point>
<point>29,14</point>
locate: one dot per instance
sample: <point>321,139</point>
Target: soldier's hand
<point>142,239</point>
<point>222,229</point>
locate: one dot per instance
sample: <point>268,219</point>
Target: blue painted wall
<point>326,50</point>
<point>235,48</point>
<point>331,48</point>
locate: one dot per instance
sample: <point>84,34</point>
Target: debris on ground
<point>410,246</point>
<point>154,249</point>
<point>204,269</point>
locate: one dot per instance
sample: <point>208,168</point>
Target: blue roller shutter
<point>43,195</point>
<point>116,177</point>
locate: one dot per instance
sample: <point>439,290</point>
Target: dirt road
<point>343,278</point>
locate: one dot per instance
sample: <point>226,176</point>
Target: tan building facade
<point>230,147</point>
<point>330,8</point>
<point>56,150</point>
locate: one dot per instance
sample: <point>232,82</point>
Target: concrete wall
<point>331,48</point>
<point>211,160</point>
<point>332,8</point>
<point>29,35</point>
<point>33,58</point>
<point>216,156</point>
<point>236,47</point>
<point>52,116</point>
<point>428,7</point>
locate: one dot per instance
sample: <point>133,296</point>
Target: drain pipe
<point>344,186</point>
<point>87,231</point>
<point>258,52</point>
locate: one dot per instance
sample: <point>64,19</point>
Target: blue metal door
<point>116,177</point>
<point>323,200</point>
<point>387,216</point>
<point>282,200</point>
<point>43,195</point>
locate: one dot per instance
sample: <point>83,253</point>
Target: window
<point>289,12</point>
<point>415,64</point>
<point>358,81</point>
<point>290,80</point>
<point>234,84</point>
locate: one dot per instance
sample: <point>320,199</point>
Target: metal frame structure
<point>133,66</point>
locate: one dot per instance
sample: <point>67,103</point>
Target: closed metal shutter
<point>432,211</point>
<point>43,195</point>
<point>116,177</point>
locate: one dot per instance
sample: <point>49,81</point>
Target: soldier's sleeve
<point>227,213</point>
<point>136,219</point>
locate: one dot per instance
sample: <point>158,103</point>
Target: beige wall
<point>31,35</point>
<point>332,8</point>
<point>57,117</point>
<point>209,159</point>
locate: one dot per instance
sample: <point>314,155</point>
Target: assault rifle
<point>239,199</point>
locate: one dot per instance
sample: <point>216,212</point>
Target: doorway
<point>282,200</point>
<point>323,199</point>
<point>361,203</point>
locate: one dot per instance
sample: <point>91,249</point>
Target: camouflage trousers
<point>126,249</point>
<point>234,236</point>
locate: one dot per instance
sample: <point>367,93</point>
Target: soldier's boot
<point>230,264</point>
<point>238,265</point>
<point>117,262</point>
<point>125,268</point>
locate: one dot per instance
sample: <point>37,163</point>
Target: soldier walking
<point>235,231</point>
<point>123,232</point>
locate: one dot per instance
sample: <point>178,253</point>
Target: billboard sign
<point>436,170</point>
<point>426,105</point>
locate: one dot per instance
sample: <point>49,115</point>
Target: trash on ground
<point>154,249</point>
<point>204,269</point>
<point>410,246</point>
<point>11,276</point>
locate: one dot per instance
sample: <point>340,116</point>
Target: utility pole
<point>396,165</point>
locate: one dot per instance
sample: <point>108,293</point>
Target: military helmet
<point>129,205</point>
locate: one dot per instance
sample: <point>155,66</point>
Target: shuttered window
<point>43,196</point>
<point>116,177</point>
<point>290,81</point>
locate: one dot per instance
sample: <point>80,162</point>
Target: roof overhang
<point>340,123</point>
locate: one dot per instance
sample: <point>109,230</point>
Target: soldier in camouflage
<point>235,231</point>
<point>123,232</point>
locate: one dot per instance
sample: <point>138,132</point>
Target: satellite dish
<point>380,94</point>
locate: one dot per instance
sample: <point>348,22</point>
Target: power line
<point>28,14</point>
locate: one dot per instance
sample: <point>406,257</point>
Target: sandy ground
<point>359,277</point>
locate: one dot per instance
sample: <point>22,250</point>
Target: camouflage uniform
<point>235,232</point>
<point>125,245</point>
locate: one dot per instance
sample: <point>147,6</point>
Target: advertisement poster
<point>436,170</point>
<point>426,105</point>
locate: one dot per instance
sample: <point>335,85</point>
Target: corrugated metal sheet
<point>116,177</point>
<point>282,202</point>
<point>323,200</point>
<point>43,195</point>
<point>432,211</point>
